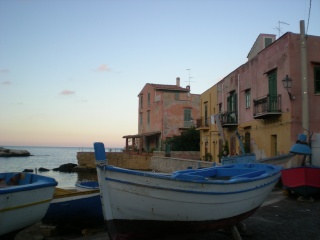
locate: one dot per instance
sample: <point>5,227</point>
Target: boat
<point>305,179</point>
<point>148,205</point>
<point>24,200</point>
<point>281,160</point>
<point>79,205</point>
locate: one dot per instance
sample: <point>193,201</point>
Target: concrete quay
<point>281,217</point>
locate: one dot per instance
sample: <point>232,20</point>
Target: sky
<point>71,70</point>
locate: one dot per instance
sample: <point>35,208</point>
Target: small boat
<point>24,200</point>
<point>303,180</point>
<point>80,205</point>
<point>147,205</point>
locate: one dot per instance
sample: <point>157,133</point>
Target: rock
<point>4,152</point>
<point>68,167</point>
<point>43,169</point>
<point>28,170</point>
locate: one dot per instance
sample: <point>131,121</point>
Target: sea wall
<point>192,155</point>
<point>168,164</point>
<point>155,162</point>
<point>119,159</point>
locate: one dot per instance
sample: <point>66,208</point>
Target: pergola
<point>133,137</point>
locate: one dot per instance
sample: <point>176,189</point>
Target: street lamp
<point>287,84</point>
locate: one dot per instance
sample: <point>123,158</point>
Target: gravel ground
<point>280,218</point>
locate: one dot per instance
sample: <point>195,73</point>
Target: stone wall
<point>193,155</point>
<point>168,164</point>
<point>158,162</point>
<point>119,159</point>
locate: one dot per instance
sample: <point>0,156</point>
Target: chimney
<point>188,87</point>
<point>178,81</point>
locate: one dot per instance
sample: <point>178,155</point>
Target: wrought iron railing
<point>228,118</point>
<point>267,104</point>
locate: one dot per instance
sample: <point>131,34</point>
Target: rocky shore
<point>5,152</point>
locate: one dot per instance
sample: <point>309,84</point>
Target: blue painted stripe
<point>192,191</point>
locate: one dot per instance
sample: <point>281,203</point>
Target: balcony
<point>267,106</point>
<point>203,123</point>
<point>228,119</point>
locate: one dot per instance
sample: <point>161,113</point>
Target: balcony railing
<point>203,122</point>
<point>229,119</point>
<point>267,106</point>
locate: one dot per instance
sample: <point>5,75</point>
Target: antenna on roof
<point>188,69</point>
<point>279,27</point>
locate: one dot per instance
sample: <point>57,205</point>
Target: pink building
<point>269,100</point>
<point>164,111</point>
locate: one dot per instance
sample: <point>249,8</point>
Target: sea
<point>49,158</point>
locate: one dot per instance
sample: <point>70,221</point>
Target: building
<point>164,111</point>
<point>266,100</point>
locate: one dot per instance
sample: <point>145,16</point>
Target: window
<point>220,107</point>
<point>206,114</point>
<point>317,80</point>
<point>140,118</point>
<point>176,96</point>
<point>141,101</point>
<point>248,98</point>
<point>232,101</point>
<point>273,92</point>
<point>148,99</point>
<point>187,117</point>
<point>148,117</point>
<point>267,42</point>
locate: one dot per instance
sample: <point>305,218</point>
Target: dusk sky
<point>71,70</point>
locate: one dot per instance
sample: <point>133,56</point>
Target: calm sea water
<point>50,158</point>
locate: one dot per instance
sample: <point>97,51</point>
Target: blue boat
<point>80,205</point>
<point>24,200</point>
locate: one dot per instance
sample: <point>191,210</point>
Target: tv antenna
<point>279,27</point>
<point>188,69</point>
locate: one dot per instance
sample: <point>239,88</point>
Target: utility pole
<point>304,80</point>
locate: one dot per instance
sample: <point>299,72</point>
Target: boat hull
<point>25,204</point>
<point>81,207</point>
<point>132,200</point>
<point>151,229</point>
<point>305,181</point>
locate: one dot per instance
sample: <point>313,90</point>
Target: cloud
<point>6,82</point>
<point>103,68</point>
<point>4,70</point>
<point>67,92</point>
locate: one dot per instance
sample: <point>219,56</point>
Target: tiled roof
<point>168,87</point>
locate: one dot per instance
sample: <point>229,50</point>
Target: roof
<point>143,134</point>
<point>167,87</point>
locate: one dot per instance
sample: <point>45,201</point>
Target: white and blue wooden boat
<point>24,200</point>
<point>146,205</point>
<point>80,205</point>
